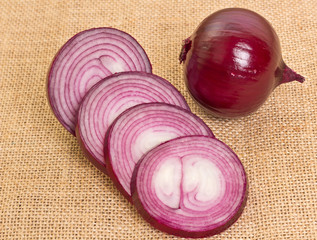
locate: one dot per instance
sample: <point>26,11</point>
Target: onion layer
<point>233,61</point>
<point>139,129</point>
<point>84,60</point>
<point>192,186</point>
<point>109,98</point>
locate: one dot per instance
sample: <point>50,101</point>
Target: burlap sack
<point>48,190</point>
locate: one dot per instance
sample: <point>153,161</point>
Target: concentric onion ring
<point>192,186</point>
<point>84,60</point>
<point>109,98</point>
<point>138,130</point>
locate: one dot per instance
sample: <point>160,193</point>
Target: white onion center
<point>150,138</point>
<point>167,182</point>
<point>194,177</point>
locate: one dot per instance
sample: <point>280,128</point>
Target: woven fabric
<point>48,190</point>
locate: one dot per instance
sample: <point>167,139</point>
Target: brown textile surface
<point>48,190</point>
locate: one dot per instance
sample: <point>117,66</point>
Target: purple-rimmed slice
<point>83,61</point>
<point>109,98</point>
<point>139,129</point>
<point>191,186</point>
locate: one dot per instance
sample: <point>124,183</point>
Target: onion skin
<point>143,204</point>
<point>232,63</point>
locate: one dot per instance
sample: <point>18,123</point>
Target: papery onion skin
<point>232,63</point>
<point>97,53</point>
<point>110,97</point>
<point>126,132</point>
<point>179,146</point>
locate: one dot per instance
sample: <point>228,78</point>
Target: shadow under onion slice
<point>84,60</point>
<point>192,186</point>
<point>138,130</point>
<point>109,98</point>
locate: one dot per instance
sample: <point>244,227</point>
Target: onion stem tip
<point>290,75</point>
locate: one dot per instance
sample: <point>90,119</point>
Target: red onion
<point>191,186</point>
<point>139,129</point>
<point>84,60</point>
<point>233,61</point>
<point>110,97</point>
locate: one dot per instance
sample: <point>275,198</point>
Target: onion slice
<point>84,60</point>
<point>192,186</point>
<point>139,129</point>
<point>109,98</point>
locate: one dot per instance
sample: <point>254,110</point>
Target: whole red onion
<point>233,61</point>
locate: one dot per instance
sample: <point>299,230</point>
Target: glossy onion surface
<point>191,186</point>
<point>233,61</point>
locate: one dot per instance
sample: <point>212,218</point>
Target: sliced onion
<point>83,61</point>
<point>191,186</point>
<point>110,97</point>
<point>139,129</point>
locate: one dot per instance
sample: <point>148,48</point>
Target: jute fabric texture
<point>48,190</point>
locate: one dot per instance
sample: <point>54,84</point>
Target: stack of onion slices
<point>137,128</point>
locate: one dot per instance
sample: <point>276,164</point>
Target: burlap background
<point>48,190</point>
